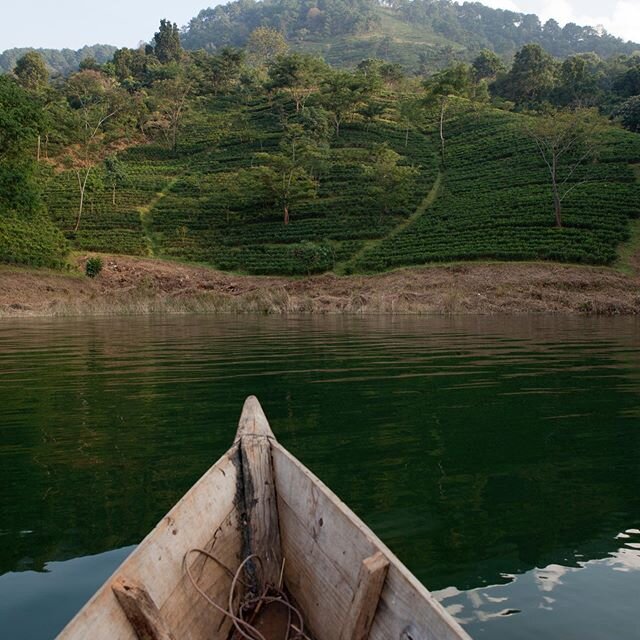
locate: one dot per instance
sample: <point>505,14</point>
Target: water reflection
<point>554,598</point>
<point>55,594</point>
<point>477,448</point>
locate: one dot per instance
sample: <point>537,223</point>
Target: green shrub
<point>93,267</point>
<point>31,241</point>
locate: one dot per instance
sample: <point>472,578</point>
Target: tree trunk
<point>286,214</point>
<point>113,194</point>
<point>557,206</point>
<point>38,151</point>
<point>443,107</point>
<point>557,202</point>
<point>83,186</point>
<point>46,146</point>
<point>406,136</point>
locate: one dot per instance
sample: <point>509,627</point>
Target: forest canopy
<point>421,34</point>
<point>470,24</point>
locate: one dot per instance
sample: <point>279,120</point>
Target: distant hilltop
<point>59,61</point>
<point>421,35</point>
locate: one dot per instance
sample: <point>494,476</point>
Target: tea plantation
<point>31,240</point>
<point>496,202</point>
<point>202,204</point>
<point>205,205</point>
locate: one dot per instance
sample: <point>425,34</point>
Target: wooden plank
<point>373,573</point>
<point>141,611</point>
<point>319,587</point>
<point>187,610</point>
<point>329,530</point>
<point>262,531</point>
<point>157,561</point>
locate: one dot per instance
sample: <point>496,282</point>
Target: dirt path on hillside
<point>421,209</point>
<point>131,285</point>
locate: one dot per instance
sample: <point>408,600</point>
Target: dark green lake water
<point>499,458</point>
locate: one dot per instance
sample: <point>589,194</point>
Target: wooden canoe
<point>258,499</point>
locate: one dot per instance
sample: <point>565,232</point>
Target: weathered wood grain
<point>253,421</point>
<point>317,584</point>
<point>187,610</point>
<point>262,532</point>
<point>362,611</point>
<point>336,540</point>
<point>141,611</point>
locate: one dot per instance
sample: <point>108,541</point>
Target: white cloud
<point>626,20</point>
<point>502,4</point>
<point>619,17</point>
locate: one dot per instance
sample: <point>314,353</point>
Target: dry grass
<point>136,286</point>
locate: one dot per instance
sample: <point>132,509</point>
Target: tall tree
<point>31,71</point>
<point>578,82</point>
<point>298,75</point>
<point>532,77</point>
<point>487,65</point>
<point>130,64</point>
<point>565,140</point>
<point>226,68</point>
<point>341,94</point>
<point>170,105</point>
<point>115,174</point>
<point>286,181</point>
<point>167,47</point>
<point>19,125</point>
<point>286,175</point>
<point>94,101</point>
<point>627,84</point>
<point>629,114</point>
<point>409,110</point>
<point>392,181</point>
<point>456,81</point>
<point>264,45</point>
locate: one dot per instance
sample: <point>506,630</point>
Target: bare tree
<point>172,95</point>
<point>93,100</point>
<point>565,140</point>
<point>455,82</point>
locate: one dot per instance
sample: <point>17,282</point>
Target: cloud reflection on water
<point>540,591</point>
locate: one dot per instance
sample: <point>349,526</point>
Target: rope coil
<point>271,594</point>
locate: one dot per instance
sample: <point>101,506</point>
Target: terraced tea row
<point>111,216</point>
<point>497,203</point>
<point>220,212</point>
<point>216,206</point>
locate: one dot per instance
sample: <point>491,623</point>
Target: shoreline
<point>138,286</point>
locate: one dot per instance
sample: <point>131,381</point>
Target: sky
<point>124,23</point>
<point>619,17</point>
<point>59,24</point>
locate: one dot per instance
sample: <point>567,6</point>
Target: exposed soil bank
<point>129,285</point>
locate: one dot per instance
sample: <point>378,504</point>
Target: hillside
<point>272,162</point>
<point>208,203</point>
<point>495,201</point>
<point>422,35</point>
<point>204,205</point>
